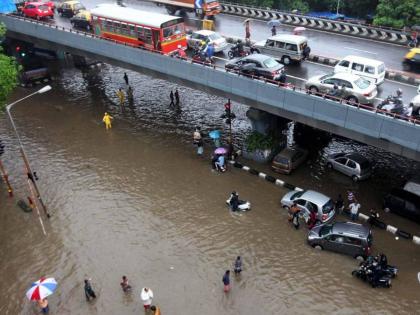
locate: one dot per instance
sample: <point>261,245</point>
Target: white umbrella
<point>272,23</point>
<point>41,289</point>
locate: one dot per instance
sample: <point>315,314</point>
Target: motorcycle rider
<point>335,91</point>
<point>398,97</point>
<point>234,201</point>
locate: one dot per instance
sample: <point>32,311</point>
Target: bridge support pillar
<point>79,61</point>
<point>266,123</point>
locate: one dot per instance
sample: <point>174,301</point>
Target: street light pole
<point>338,5</point>
<point>30,174</point>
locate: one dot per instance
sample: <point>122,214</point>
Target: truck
<point>201,8</point>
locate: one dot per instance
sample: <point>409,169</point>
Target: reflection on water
<point>136,201</point>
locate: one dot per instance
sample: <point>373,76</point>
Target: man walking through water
<point>107,120</point>
<point>126,78</point>
<point>171,96</point>
<point>176,97</point>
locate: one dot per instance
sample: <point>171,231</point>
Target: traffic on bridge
<point>126,187</point>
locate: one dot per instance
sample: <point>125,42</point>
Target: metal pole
<point>338,5</point>
<point>6,179</point>
<point>22,150</point>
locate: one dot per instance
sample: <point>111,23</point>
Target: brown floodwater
<point>137,201</point>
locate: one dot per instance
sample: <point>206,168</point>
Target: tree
<point>397,13</point>
<point>9,70</point>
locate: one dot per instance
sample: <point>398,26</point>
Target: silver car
<point>351,87</point>
<point>308,201</point>
<point>210,37</point>
<point>353,165</point>
<point>344,237</point>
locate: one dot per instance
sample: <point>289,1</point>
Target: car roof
<point>205,32</point>
<point>289,38</point>
<point>315,197</point>
<point>258,57</point>
<point>357,157</point>
<point>363,60</point>
<point>36,3</point>
<point>288,152</point>
<point>351,229</point>
<point>346,76</point>
<point>71,2</point>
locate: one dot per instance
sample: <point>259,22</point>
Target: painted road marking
<point>364,51</point>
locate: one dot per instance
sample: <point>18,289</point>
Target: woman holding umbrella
<point>40,290</point>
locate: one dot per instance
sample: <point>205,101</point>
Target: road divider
<point>364,217</point>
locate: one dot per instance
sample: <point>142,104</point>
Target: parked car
<point>354,165</point>
<point>404,202</point>
<point>309,200</point>
<point>37,10</point>
<point>258,65</point>
<point>344,237</point>
<point>411,60</point>
<point>289,159</point>
<point>82,19</point>
<point>356,89</point>
<point>70,8</point>
<point>370,69</point>
<point>215,38</point>
<point>284,47</point>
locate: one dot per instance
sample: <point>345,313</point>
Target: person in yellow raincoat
<point>107,120</point>
<point>121,96</point>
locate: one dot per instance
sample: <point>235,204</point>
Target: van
<point>283,47</point>
<point>289,159</point>
<point>344,237</point>
<point>370,69</point>
<point>404,203</point>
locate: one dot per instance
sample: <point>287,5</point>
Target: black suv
<point>404,203</point>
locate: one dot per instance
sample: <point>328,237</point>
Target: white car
<point>215,38</point>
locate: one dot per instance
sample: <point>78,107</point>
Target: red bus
<point>139,28</point>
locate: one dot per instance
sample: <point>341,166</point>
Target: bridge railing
<point>412,119</point>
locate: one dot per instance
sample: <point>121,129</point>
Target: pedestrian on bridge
<point>126,78</point>
<point>171,96</point>
<point>247,32</point>
<point>121,96</point>
<point>107,120</point>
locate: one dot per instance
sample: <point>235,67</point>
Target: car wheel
<point>352,99</point>
<point>387,210</point>
<point>330,166</point>
<point>318,247</point>
<point>88,27</point>
<point>313,89</point>
<point>286,208</point>
<point>285,60</point>
<point>354,273</point>
<point>355,178</point>
<point>230,54</point>
<point>254,51</point>
<point>359,257</point>
<point>37,17</point>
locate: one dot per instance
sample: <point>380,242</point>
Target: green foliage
<point>257,141</point>
<point>397,13</point>
<point>8,73</point>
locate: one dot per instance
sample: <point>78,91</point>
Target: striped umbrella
<point>41,289</point>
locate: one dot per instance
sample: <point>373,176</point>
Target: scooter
<point>392,105</point>
<point>236,52</point>
<point>243,205</point>
<point>374,277</point>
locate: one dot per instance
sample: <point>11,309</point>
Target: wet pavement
<point>137,201</point>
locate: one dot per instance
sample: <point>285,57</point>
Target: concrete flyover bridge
<point>395,135</point>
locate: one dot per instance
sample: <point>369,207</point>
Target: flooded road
<point>137,201</point>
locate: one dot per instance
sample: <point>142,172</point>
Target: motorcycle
<point>388,270</point>
<point>393,105</point>
<point>373,276</point>
<point>199,56</point>
<point>243,205</point>
<point>237,51</point>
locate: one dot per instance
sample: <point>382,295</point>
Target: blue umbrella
<point>214,134</point>
<point>272,23</point>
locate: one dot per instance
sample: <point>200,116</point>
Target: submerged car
<point>344,237</point>
<point>351,87</point>
<point>308,201</point>
<point>351,164</point>
<point>258,65</point>
<point>289,159</point>
<point>210,37</point>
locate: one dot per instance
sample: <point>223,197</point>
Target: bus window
<point>123,29</point>
<point>132,31</point>
<point>167,32</point>
<point>147,36</point>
